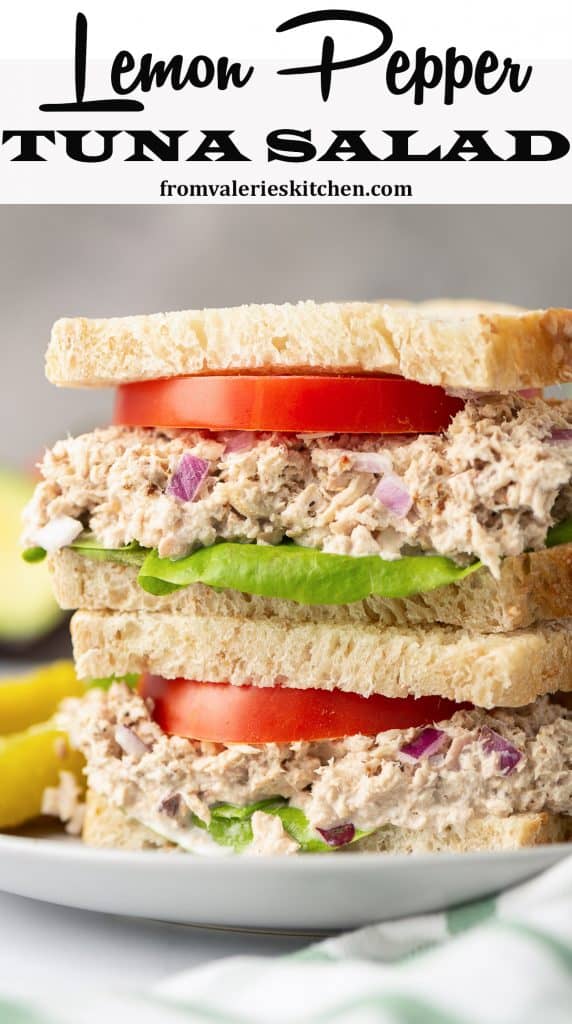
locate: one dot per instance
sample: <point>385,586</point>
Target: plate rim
<point>65,849</point>
<point>324,895</point>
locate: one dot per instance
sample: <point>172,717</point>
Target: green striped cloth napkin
<point>505,960</point>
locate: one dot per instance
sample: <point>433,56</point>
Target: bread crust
<point>513,833</point>
<point>489,670</point>
<point>532,588</point>
<point>468,344</point>
<point>105,826</point>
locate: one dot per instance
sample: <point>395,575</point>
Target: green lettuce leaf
<point>288,571</point>
<point>299,574</point>
<point>34,554</point>
<point>131,680</point>
<point>298,827</point>
<point>90,547</point>
<point>559,534</point>
<point>230,825</point>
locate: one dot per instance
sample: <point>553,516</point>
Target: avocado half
<point>28,611</point>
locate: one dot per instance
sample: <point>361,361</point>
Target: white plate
<point>315,892</point>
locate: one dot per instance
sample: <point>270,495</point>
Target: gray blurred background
<point>105,261</point>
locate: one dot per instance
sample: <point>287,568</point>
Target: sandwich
<point>321,569</point>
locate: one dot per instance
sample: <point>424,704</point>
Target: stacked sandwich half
<point>323,563</point>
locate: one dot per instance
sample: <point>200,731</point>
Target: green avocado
<point>28,610</point>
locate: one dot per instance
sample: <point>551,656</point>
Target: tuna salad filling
<point>310,796</point>
<point>491,486</point>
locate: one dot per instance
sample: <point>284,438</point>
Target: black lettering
<point>423,62</point>
<point>559,145</point>
<point>346,143</point>
<point>290,146</point>
<point>518,84</point>
<point>327,64</point>
<point>28,144</point>
<point>163,149</point>
<point>123,63</point>
<point>80,64</point>
<point>486,64</point>
<point>396,65</point>
<point>399,63</point>
<point>400,147</point>
<point>471,142</point>
<point>200,72</point>
<point>231,74</point>
<point>452,61</point>
<point>297,189</point>
<point>455,72</point>
<point>217,143</point>
<point>76,151</point>
<point>155,74</point>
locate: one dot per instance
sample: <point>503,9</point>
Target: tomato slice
<point>355,405</point>
<point>225,713</point>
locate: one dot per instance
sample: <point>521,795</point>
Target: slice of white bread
<point>105,826</point>
<point>467,344</point>
<point>532,588</point>
<point>490,670</point>
<point>512,833</point>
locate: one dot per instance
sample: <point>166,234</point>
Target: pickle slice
<point>30,762</point>
<point>31,698</point>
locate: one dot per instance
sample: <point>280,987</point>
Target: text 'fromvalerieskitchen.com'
<point>237,191</point>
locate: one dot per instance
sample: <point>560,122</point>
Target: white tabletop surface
<point>46,945</point>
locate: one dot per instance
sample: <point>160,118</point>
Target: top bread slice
<point>456,344</point>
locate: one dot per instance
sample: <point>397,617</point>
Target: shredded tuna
<point>269,836</point>
<point>490,487</point>
<point>64,801</point>
<point>359,780</point>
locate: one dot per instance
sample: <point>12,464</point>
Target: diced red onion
<point>129,741</point>
<point>494,743</point>
<point>393,494</point>
<point>370,462</point>
<point>560,435</point>
<point>238,441</point>
<point>58,533</point>
<point>339,835</point>
<point>530,392</point>
<point>170,805</point>
<point>425,744</point>
<point>187,479</point>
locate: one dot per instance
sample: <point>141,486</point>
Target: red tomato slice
<point>225,713</point>
<point>355,405</point>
